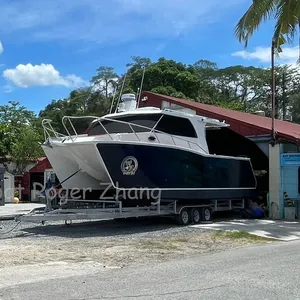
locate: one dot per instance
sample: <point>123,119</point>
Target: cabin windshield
<point>168,124</point>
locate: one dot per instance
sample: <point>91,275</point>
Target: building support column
<point>275,205</point>
<point>2,191</point>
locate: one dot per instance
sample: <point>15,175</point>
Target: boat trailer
<point>184,214</point>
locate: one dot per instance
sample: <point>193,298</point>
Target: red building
<point>243,123</point>
<point>35,174</point>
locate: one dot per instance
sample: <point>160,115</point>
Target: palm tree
<point>285,12</point>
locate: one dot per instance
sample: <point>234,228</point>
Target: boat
<point>139,151</point>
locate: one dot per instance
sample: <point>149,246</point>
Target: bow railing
<point>72,133</point>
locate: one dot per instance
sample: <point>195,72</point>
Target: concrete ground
<point>11,210</point>
<point>269,272</point>
<point>279,229</point>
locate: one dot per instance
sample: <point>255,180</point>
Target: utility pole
<point>273,88</point>
<point>283,95</point>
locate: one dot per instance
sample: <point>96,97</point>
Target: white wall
<point>9,187</point>
<point>275,191</point>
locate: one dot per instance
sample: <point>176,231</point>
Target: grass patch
<point>164,244</point>
<point>180,240</point>
<point>240,235</point>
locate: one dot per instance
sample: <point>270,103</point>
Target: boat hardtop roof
<point>155,110</point>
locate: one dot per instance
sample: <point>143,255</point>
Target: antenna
<point>141,88</point>
<point>113,99</point>
<point>121,92</point>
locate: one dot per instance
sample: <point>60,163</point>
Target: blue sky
<point>49,47</point>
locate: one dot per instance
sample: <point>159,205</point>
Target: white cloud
<point>1,48</point>
<point>108,21</point>
<point>40,75</point>
<point>289,55</point>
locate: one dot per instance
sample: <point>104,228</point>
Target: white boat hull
<point>78,166</point>
<point>82,154</point>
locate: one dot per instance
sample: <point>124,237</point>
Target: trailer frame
<point>183,213</point>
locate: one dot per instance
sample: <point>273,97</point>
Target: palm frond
<point>297,8</point>
<point>260,10</point>
<point>287,23</point>
<point>286,14</point>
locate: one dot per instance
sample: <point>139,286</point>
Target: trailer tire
<point>206,214</point>
<point>183,218</point>
<point>195,215</point>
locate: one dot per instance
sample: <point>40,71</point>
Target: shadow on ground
<point>102,228</point>
<point>105,228</point>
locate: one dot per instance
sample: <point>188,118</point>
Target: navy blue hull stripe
<point>143,166</point>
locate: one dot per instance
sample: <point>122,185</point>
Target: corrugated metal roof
<point>284,129</point>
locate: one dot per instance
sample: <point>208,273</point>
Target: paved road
<point>261,272</point>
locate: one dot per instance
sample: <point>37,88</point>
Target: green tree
<point>81,102</point>
<point>294,111</point>
<point>286,15</point>
<point>55,111</point>
<point>139,62</point>
<point>26,148</point>
<point>205,69</point>
<point>14,120</point>
<point>15,114</point>
<point>287,90</point>
<point>167,76</point>
<point>241,88</point>
<point>207,92</point>
<point>105,81</point>
<point>245,85</point>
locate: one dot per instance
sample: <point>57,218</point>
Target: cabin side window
<point>176,126</point>
<point>116,127</point>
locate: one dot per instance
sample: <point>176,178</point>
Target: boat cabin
<point>178,124</point>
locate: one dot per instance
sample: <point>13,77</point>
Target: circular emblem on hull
<point>129,165</point>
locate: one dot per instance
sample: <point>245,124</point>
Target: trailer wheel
<point>195,215</point>
<point>206,214</point>
<point>184,217</point>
